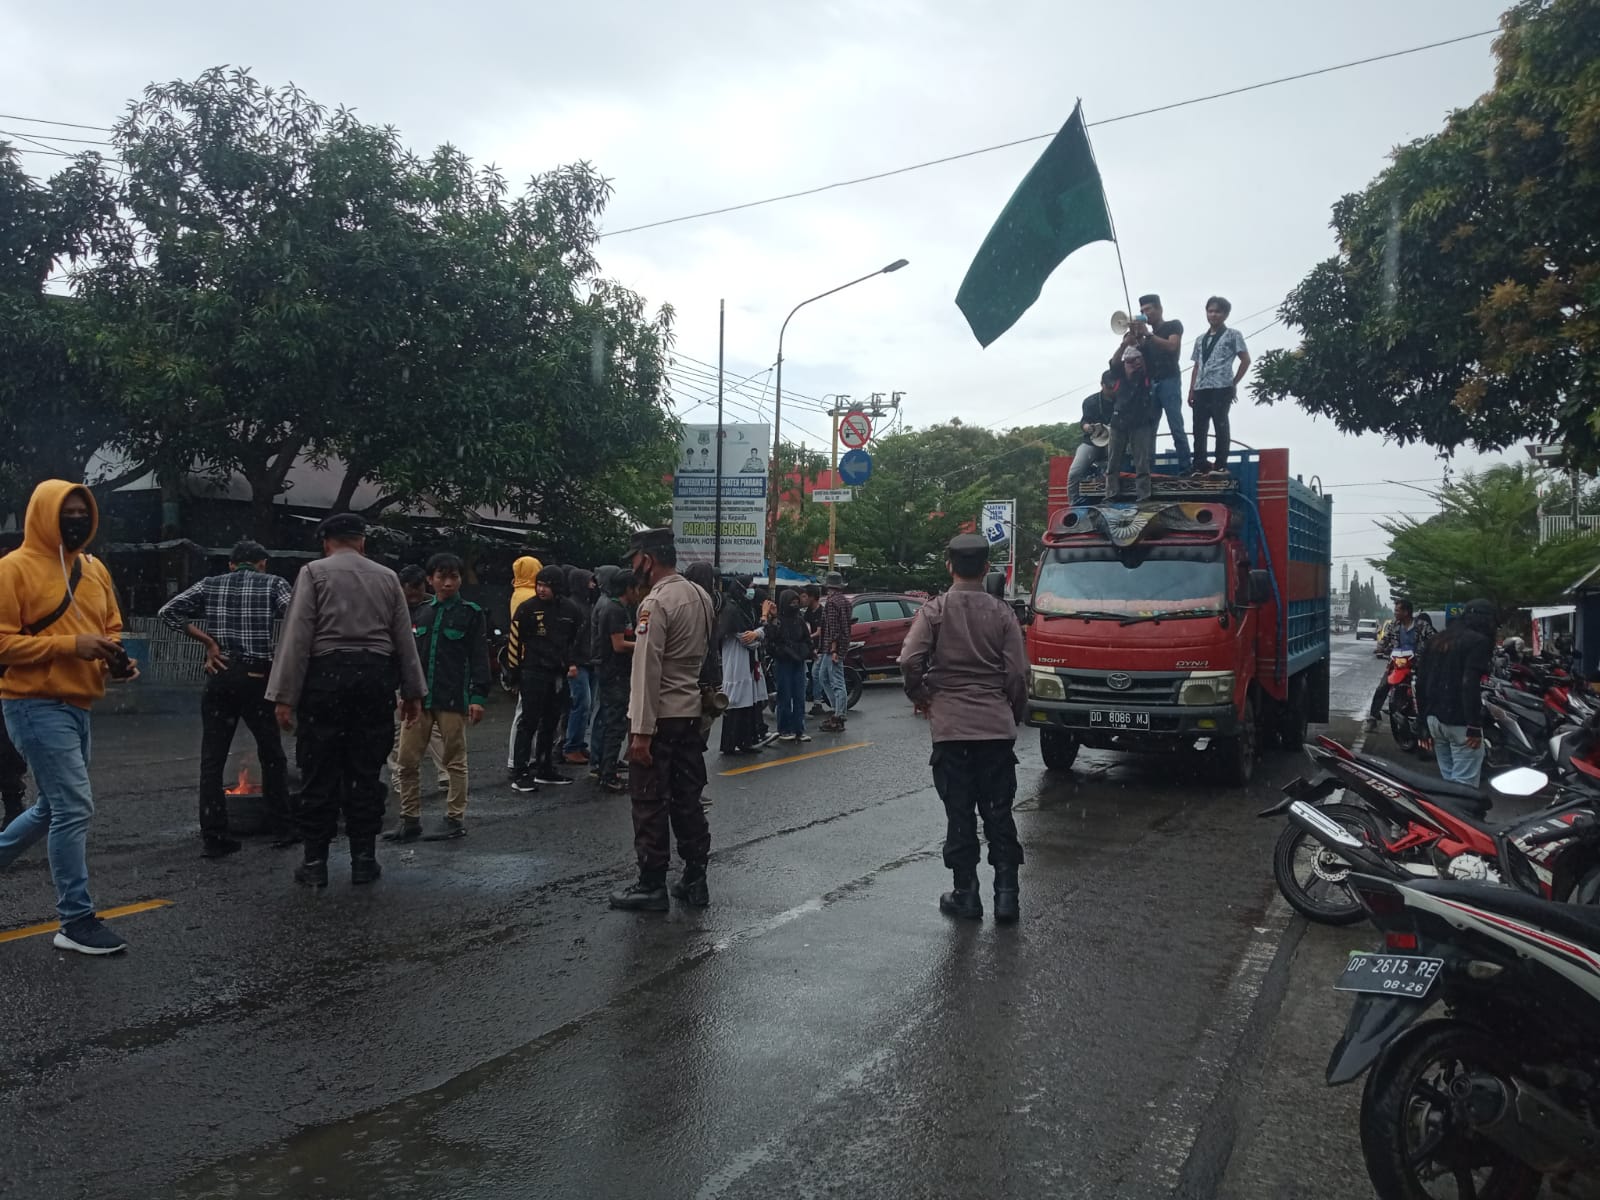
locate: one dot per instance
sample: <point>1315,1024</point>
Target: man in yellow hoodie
<point>524,582</point>
<point>60,638</point>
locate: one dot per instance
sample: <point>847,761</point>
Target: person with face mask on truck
<point>60,641</point>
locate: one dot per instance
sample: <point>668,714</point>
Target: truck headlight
<point>1206,688</point>
<point>1046,685</point>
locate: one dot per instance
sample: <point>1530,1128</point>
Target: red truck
<point>1197,619</point>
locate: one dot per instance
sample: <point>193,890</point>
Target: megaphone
<point>1120,321</point>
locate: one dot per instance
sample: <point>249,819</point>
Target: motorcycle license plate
<point>877,677</point>
<point>1389,974</point>
<point>1116,718</point>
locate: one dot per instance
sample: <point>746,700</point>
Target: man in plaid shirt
<point>835,645</point>
<point>234,616</point>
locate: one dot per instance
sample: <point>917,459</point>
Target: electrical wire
<point>1039,137</point>
<point>57,137</point>
<point>42,121</point>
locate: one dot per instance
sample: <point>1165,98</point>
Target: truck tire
<point>1293,716</point>
<point>1236,756</point>
<point>1058,749</point>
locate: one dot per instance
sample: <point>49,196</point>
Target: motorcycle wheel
<point>1411,1138</point>
<point>854,684</point>
<point>1400,729</point>
<point>1311,877</point>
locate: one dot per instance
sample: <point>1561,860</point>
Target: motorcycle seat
<point>1469,799</point>
<point>1521,700</point>
<point>1581,922</point>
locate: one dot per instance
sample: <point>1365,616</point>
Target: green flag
<point>1058,207</point>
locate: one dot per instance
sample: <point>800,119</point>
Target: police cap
<point>968,545</point>
<point>649,541</point>
<point>343,525</point>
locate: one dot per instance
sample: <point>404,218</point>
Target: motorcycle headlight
<point>1046,685</point>
<point>1206,688</point>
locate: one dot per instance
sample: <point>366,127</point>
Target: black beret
<point>343,525</point>
<point>648,541</point>
<point>967,545</point>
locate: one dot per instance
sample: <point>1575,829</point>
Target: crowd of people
<point>1143,383</point>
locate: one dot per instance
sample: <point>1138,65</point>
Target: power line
<point>42,121</point>
<point>1039,137</point>
<point>57,137</point>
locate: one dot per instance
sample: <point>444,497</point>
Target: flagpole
<point>1127,298</point>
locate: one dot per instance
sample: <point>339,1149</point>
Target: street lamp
<point>774,487</point>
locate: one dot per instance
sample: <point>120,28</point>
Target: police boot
<point>364,866</point>
<point>648,895</point>
<point>963,901</point>
<point>691,889</point>
<point>1006,908</point>
<point>313,872</point>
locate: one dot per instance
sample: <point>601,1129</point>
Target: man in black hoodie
<point>611,630</point>
<point>583,592</point>
<point>1450,694</point>
<point>543,652</point>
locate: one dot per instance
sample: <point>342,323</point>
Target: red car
<point>880,621</point>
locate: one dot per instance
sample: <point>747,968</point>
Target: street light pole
<point>774,486</point>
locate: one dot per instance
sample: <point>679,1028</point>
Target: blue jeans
<point>581,687</point>
<point>1085,459</point>
<point>791,697</point>
<point>54,737</point>
<point>1458,762</point>
<point>1169,392</point>
<point>830,681</point>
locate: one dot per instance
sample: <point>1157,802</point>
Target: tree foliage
<point>1463,306</point>
<point>1485,542</point>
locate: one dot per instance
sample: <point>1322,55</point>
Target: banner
<point>997,524</point>
<point>744,497</point>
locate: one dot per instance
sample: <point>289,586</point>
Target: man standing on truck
<point>1213,382</point>
<point>1134,413</point>
<point>1088,455</point>
<point>1159,340</point>
<point>1405,632</point>
<point>965,670</point>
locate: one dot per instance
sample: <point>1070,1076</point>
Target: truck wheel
<point>1058,749</point>
<point>1293,717</point>
<point>1236,756</point>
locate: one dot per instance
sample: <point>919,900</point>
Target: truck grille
<point>1144,688</point>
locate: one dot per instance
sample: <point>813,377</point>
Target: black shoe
<point>282,839</point>
<point>691,889</point>
<point>88,935</point>
<point>220,847</point>
<point>616,784</point>
<point>450,828</point>
<point>364,868</point>
<point>550,776</point>
<point>817,710</point>
<point>409,830</point>
<point>963,901</point>
<point>647,895</point>
<point>312,874</point>
<point>1006,908</point>
<point>524,782</point>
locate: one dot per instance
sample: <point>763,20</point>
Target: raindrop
<point>405,374</point>
<point>461,451</point>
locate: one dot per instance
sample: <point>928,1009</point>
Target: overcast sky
<point>696,106</point>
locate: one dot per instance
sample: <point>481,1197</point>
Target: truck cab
<point>1198,619</point>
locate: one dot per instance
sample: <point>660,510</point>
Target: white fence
<point>1552,526</point>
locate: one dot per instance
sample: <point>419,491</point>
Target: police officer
<point>965,671</point>
<point>666,752</point>
<point>347,645</point>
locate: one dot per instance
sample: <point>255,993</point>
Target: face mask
<point>749,593</point>
<point>75,531</point>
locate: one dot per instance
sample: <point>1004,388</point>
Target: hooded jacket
<point>547,636</point>
<point>578,581</point>
<point>524,574</point>
<point>33,581</point>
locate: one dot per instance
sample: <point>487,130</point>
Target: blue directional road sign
<point>855,468</point>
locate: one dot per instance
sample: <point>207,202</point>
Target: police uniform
<point>347,645</point>
<point>672,634</point>
<point>964,667</point>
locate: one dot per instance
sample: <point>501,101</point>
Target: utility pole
<point>876,411</point>
<point>722,325</point>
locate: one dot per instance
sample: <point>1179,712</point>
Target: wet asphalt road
<point>479,1024</point>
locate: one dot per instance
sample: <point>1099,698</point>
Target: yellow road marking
<point>794,758</point>
<point>127,910</point>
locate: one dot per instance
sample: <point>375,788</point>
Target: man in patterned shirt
<point>835,645</point>
<point>1213,381</point>
<point>234,617</point>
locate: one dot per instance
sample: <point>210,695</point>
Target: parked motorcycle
<point>1478,1019</point>
<point>1412,825</point>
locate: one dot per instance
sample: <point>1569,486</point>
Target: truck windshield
<point>1149,583</point>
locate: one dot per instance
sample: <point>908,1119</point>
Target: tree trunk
<point>353,474</point>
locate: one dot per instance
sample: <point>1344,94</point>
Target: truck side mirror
<point>1260,587</point>
<point>995,584</point>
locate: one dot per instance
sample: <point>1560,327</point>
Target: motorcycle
<point>1411,825</point>
<point>1402,699</point>
<point>1475,1025</point>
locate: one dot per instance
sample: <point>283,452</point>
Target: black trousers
<point>614,694</point>
<point>236,694</point>
<point>1211,408</point>
<point>545,704</point>
<point>13,770</point>
<point>1379,696</point>
<point>741,729</point>
<point>666,799</point>
<point>977,779</point>
<point>345,729</point>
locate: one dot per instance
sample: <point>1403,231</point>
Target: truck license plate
<point>1389,974</point>
<point>1116,718</point>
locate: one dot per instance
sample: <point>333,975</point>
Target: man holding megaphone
<point>1091,452</point>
